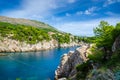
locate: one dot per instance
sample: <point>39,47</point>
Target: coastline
<point>9,45</point>
<point>69,61</point>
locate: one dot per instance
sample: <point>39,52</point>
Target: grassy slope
<point>27,22</point>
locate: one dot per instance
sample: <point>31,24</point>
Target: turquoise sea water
<point>31,65</point>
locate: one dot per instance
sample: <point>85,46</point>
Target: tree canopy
<point>104,36</point>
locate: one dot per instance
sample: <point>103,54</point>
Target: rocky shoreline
<point>67,67</point>
<point>9,45</point>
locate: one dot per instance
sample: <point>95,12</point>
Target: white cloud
<point>109,2</point>
<point>42,9</point>
<point>71,1</point>
<point>33,8</point>
<point>79,13</point>
<point>112,14</point>
<point>68,14</point>
<point>84,28</point>
<point>88,11</point>
<point>37,9</point>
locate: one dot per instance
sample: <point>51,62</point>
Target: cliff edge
<point>67,67</point>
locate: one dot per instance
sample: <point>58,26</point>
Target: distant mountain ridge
<point>25,22</point>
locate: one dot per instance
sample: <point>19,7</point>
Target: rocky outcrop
<point>101,75</point>
<point>62,79</point>
<point>70,44</point>
<point>9,45</point>
<point>67,67</point>
<point>116,44</point>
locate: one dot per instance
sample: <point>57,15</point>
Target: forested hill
<point>27,22</point>
<point>10,28</point>
<point>29,35</point>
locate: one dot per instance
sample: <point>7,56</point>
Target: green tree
<point>103,34</point>
<point>116,31</point>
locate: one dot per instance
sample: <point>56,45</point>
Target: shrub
<point>83,69</point>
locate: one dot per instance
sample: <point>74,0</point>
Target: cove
<point>31,65</point>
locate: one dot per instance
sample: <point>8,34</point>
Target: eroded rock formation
<point>9,45</point>
<point>67,67</point>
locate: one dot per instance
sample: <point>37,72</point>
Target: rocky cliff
<point>20,35</point>
<point>112,72</point>
<point>10,45</point>
<point>116,44</point>
<point>67,67</point>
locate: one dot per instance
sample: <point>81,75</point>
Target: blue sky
<point>78,17</point>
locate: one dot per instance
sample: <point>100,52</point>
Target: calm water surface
<point>31,65</point>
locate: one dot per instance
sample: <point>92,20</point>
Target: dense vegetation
<point>62,38</point>
<point>87,39</point>
<point>105,35</point>
<point>32,34</point>
<point>23,33</point>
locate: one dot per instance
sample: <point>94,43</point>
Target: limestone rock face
<point>62,79</point>
<point>9,45</point>
<point>70,44</point>
<point>116,44</point>
<point>70,61</point>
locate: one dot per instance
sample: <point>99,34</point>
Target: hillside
<point>25,22</point>
<point>28,35</point>
<point>98,61</point>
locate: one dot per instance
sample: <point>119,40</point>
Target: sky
<point>77,17</point>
